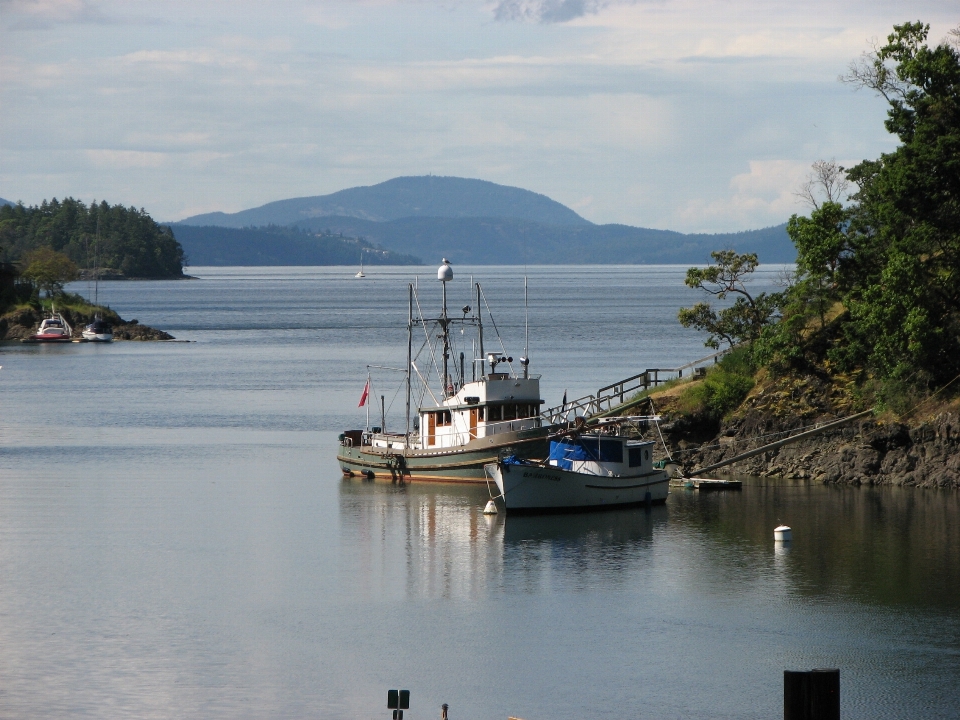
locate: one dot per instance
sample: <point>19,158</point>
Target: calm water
<point>176,539</point>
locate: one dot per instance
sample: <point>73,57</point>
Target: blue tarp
<point>564,452</point>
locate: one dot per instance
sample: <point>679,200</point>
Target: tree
<point>749,314</point>
<point>900,279</point>
<point>49,270</point>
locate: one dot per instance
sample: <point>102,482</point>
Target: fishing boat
<point>53,329</point>
<point>584,471</point>
<point>460,424</point>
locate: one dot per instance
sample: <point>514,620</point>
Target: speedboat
<point>53,329</point>
<point>584,471</point>
<point>98,331</point>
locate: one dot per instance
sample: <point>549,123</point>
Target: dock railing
<point>609,397</point>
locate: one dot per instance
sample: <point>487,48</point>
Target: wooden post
<point>811,695</point>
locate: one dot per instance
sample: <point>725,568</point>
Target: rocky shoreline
<point>873,451</point>
<point>21,324</point>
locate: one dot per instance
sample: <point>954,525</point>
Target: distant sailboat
<point>360,274</point>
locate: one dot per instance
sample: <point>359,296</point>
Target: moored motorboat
<point>471,421</point>
<point>53,329</point>
<point>583,472</point>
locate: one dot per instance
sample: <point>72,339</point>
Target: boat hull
<point>97,337</point>
<point>536,489</point>
<point>49,339</point>
<point>456,464</point>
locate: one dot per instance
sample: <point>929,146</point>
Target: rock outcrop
<point>23,322</point>
<point>924,452</point>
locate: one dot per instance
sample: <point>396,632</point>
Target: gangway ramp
<point>609,399</point>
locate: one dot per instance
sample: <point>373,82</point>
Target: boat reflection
<point>434,541</point>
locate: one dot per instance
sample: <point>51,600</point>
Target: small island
<point>44,247</point>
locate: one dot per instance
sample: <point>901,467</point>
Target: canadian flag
<point>366,392</point>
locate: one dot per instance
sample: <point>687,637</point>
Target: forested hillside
<point>131,244</point>
<point>281,246</point>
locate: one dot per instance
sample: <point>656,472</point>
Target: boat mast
<point>445,275</point>
<point>525,360</point>
<point>483,358</point>
<point>406,441</point>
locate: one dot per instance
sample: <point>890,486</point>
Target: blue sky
<point>691,116</point>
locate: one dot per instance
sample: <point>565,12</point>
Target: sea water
<point>176,539</point>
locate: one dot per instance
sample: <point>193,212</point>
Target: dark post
<point>383,415</point>
<point>811,695</point>
<point>443,711</point>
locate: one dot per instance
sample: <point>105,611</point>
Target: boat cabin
<point>496,403</point>
<point>603,455</point>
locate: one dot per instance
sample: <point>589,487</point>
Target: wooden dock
<point>706,484</point>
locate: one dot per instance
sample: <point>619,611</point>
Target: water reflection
<point>434,541</point>
<point>886,546</point>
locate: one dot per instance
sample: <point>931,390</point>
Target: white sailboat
<point>98,330</point>
<point>360,274</point>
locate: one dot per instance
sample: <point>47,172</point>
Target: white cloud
<point>762,196</point>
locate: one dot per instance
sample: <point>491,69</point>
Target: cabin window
<point>636,456</point>
<point>495,414</point>
<point>509,412</point>
<point>611,451</point>
<point>480,413</point>
<point>443,418</point>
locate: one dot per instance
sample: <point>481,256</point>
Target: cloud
<point>547,11</point>
<point>764,195</point>
<point>45,13</point>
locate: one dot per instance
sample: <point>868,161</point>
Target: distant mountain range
<point>6,202</point>
<point>467,221</point>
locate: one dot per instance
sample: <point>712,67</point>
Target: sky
<point>697,116</point>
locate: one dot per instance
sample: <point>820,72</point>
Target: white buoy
<point>491,508</point>
<point>783,533</point>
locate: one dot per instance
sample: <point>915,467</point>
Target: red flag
<point>366,392</point>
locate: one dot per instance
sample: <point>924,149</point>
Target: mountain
<point>499,241</point>
<point>470,221</point>
<point>6,202</point>
<point>424,196</point>
<point>280,246</point>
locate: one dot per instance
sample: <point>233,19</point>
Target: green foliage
<point>901,279</point>
<point>129,240</point>
<point>725,387</point>
<point>745,319</point>
<point>49,270</point>
<point>890,261</point>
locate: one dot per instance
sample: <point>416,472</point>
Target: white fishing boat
<point>470,411</point>
<point>584,471</point>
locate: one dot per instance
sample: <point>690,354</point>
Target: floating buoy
<point>783,533</point>
<point>491,508</point>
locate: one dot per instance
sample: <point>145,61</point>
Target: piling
<point>811,694</point>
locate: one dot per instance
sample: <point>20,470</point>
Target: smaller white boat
<point>98,331</point>
<point>583,472</point>
<point>360,274</point>
<point>53,329</point>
